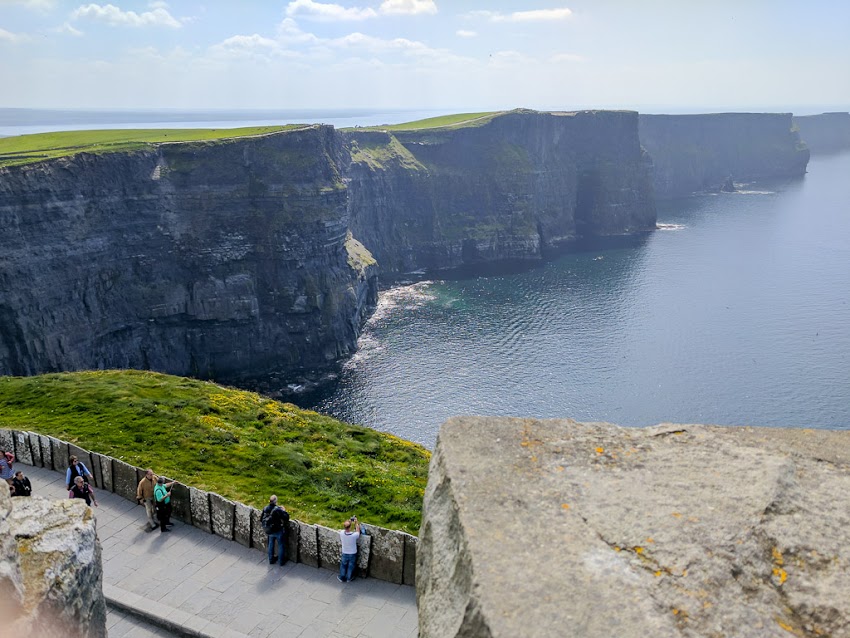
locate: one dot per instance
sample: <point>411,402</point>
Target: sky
<point>464,55</point>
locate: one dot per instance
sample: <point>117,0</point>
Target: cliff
<point>551,528</point>
<point>240,257</point>
<point>699,152</point>
<point>50,569</point>
<point>825,133</point>
<point>203,259</point>
<point>514,187</point>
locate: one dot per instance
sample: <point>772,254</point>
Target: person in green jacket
<point>162,496</point>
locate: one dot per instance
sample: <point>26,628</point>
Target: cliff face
<point>699,152</point>
<point>511,188</point>
<point>210,260</point>
<point>825,133</point>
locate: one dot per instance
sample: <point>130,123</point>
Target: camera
<point>353,518</point>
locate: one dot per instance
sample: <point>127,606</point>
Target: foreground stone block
<point>551,528</point>
<point>387,560</point>
<point>409,571</point>
<point>124,481</point>
<point>308,544</point>
<point>222,513</point>
<point>242,524</point>
<point>200,502</point>
<point>50,569</point>
<point>23,451</point>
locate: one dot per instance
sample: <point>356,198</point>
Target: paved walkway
<point>220,588</point>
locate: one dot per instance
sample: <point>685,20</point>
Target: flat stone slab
<point>242,524</point>
<point>23,451</point>
<point>124,482</point>
<point>551,528</point>
<point>222,512</point>
<point>200,503</point>
<point>387,561</point>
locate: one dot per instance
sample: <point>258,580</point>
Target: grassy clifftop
<point>238,444</point>
<point>27,149</point>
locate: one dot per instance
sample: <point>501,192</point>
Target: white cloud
<point>114,16</point>
<point>463,33</point>
<point>566,57</point>
<point>408,7</point>
<point>533,15</point>
<point>327,12</point>
<point>66,28</point>
<point>12,38</point>
<point>288,32</point>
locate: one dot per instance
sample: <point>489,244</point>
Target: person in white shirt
<point>348,560</point>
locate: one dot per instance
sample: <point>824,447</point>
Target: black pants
<point>163,513</point>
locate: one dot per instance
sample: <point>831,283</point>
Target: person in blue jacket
<point>77,468</point>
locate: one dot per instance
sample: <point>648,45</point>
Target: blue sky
<point>426,54</point>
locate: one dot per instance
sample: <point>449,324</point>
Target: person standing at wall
<point>144,495</point>
<point>348,560</point>
<point>75,469</point>
<point>6,472</point>
<point>81,489</point>
<point>162,497</point>
<point>275,519</point>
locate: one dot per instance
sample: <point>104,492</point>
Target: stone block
<point>258,536</point>
<point>242,524</point>
<point>124,481</point>
<point>293,533</point>
<point>408,573</point>
<point>200,503</point>
<point>23,451</point>
<point>329,547</point>
<point>96,469</point>
<point>59,451</point>
<point>7,441</point>
<point>387,555</point>
<point>46,451</point>
<point>222,512</point>
<point>35,447</point>
<point>308,544</point>
<point>106,473</point>
<point>84,456</point>
<point>181,503</point>
<point>364,553</point>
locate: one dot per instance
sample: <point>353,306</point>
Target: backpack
<point>266,520</point>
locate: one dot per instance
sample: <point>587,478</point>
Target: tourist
<point>81,489</point>
<point>348,560</point>
<point>144,495</point>
<point>6,472</point>
<point>76,469</point>
<point>21,485</point>
<point>162,497</point>
<point>275,519</point>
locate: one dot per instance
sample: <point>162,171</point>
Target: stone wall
<point>50,568</point>
<point>385,554</point>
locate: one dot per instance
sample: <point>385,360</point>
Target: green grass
<point>26,149</point>
<point>238,444</point>
<point>457,119</point>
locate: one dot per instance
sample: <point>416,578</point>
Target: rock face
<point>825,133</point>
<point>50,569</point>
<point>552,528</point>
<point>698,152</point>
<point>210,260</point>
<point>512,188</point>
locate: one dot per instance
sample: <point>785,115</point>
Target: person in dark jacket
<point>75,469</point>
<point>274,519</point>
<point>21,485</point>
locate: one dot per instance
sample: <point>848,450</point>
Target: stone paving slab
<point>205,581</point>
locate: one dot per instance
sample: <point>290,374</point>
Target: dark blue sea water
<point>736,311</point>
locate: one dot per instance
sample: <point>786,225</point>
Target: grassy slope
<point>26,149</point>
<point>238,444</point>
<point>458,119</point>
